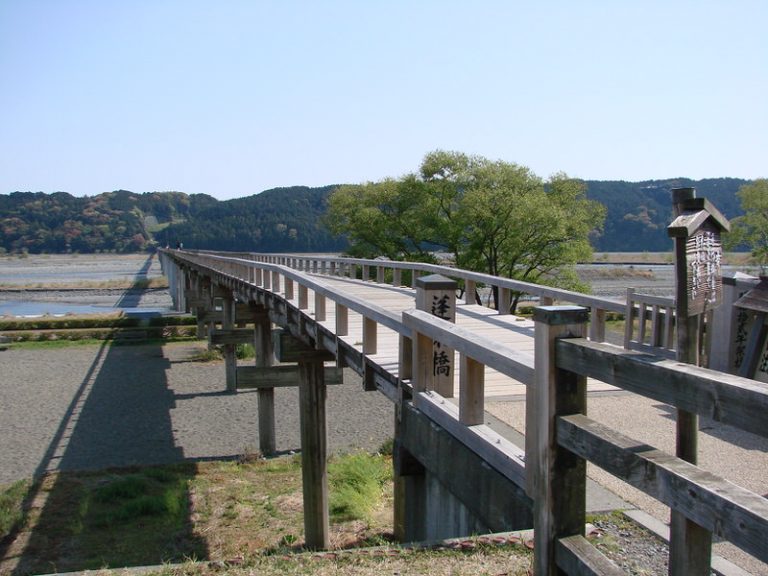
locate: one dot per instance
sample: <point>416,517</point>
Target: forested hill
<point>639,212</point>
<point>288,219</point>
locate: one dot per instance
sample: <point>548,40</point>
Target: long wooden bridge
<point>416,333</point>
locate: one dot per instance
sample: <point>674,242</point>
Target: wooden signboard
<point>704,254</point>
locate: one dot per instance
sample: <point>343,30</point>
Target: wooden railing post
<point>471,391</point>
<point>319,307</point>
<point>505,300</point>
<point>342,320</point>
<point>597,325</point>
<point>288,288</point>
<point>303,297</point>
<point>470,289</point>
<point>556,479</point>
<point>437,295</point>
<point>397,277</point>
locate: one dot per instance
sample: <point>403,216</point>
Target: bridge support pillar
<point>264,358</point>
<point>228,350</point>
<point>314,470</point>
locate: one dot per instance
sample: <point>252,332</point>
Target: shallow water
<point>48,270</point>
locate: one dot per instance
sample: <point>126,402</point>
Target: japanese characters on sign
<point>436,295</point>
<point>442,358</point>
<point>705,281</point>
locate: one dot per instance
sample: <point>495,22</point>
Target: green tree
<point>491,216</point>
<point>751,229</point>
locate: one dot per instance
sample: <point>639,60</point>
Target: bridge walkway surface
<point>509,330</point>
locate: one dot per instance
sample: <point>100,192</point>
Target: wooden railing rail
<point>728,511</point>
<point>349,267</point>
<point>660,312</point>
<point>277,278</point>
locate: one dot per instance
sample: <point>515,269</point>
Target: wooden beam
<point>289,349</point>
<point>491,496</point>
<point>731,512</point>
<point>495,450</point>
<point>254,377</point>
<point>729,399</point>
<point>576,556</point>
<point>231,336</point>
<point>517,365</point>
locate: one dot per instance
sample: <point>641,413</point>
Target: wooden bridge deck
<point>509,330</point>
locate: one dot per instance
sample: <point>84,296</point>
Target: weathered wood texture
<point>723,397</point>
<point>727,510</point>
<point>558,487</point>
<point>250,377</point>
<point>314,453</point>
<point>576,556</point>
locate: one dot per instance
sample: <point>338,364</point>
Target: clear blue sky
<point>230,98</point>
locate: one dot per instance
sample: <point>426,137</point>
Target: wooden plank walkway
<point>510,330</point>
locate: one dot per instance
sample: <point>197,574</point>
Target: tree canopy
<point>751,229</point>
<point>490,216</point>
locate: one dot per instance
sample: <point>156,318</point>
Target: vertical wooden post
<point>228,350</point>
<point>471,391</point>
<point>505,300</point>
<point>370,336</point>
<point>319,307</point>
<point>342,320</point>
<point>690,545</point>
<point>312,395</point>
<point>265,357</point>
<point>558,486</point>
<point>437,295</point>
<point>397,277</point>
<point>303,297</point>
<point>597,325</point>
<point>470,289</point>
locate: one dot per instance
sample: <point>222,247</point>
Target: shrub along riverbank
<point>99,327</point>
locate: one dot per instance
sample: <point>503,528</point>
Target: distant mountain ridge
<point>290,219</point>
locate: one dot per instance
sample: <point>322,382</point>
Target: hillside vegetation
<point>289,219</point>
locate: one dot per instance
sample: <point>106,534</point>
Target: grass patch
<point>243,516</point>
<point>11,510</point>
<point>158,282</point>
<point>357,484</point>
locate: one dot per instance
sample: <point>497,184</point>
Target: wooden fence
<point>560,437</point>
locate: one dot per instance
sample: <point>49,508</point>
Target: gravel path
<point>95,407</point>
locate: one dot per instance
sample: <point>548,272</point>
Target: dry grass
<point>158,282</point>
<point>241,517</point>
